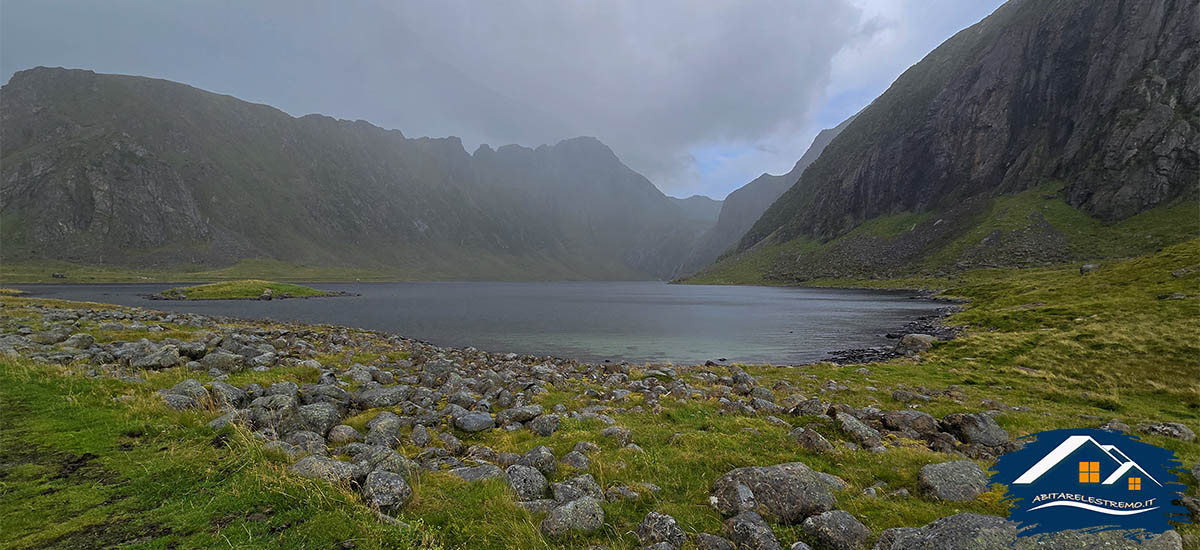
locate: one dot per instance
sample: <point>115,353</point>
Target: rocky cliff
<point>149,173</point>
<point>1091,104</point>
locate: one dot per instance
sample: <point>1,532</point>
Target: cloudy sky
<point>701,97</point>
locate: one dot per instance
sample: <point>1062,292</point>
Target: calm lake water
<point>592,321</point>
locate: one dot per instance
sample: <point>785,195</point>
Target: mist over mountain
<point>746,204</point>
<point>1049,131</point>
<point>142,172</point>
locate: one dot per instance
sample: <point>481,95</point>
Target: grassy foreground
<point>241,290</point>
<point>99,462</point>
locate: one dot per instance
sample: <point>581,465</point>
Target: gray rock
<point>810,407</point>
<point>382,397</point>
<point>343,434</point>
<point>192,350</point>
<point>239,417</point>
<point>810,440</point>
<point>538,506</point>
<point>452,444</point>
<point>748,531</point>
<point>320,417</point>
<point>223,360</point>
<point>477,473</point>
<point>191,388</point>
<point>328,469</point>
<point>705,541</point>
<point>375,458</point>
<point>310,442</point>
<point>837,530</point>
<point>386,491</point>
<point>325,393</point>
<point>79,341</point>
<point>165,358</point>
<point>179,402</point>
<point>52,336</point>
<point>420,436</point>
<point>526,481</point>
<point>859,432</point>
<point>576,488</point>
<point>799,545</point>
<point>889,536</point>
<point>983,532</point>
<point>540,457</point>
<point>227,396</point>
<point>1169,429</point>
<point>656,528</point>
<point>544,425</point>
<point>957,481</point>
<point>911,344</point>
<point>1088,268</point>
<point>583,515</point>
<point>278,412</point>
<point>787,492</point>
<point>577,460</point>
<point>975,428</point>
<point>518,414</point>
<point>284,388</point>
<point>474,422</point>
<point>384,430</point>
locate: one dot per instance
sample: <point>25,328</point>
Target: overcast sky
<point>701,97</point>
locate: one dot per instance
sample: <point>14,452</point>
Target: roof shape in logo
<point>1072,444</point>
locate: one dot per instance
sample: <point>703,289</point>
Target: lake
<point>591,321</point>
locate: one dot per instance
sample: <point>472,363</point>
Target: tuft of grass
<point>242,290</point>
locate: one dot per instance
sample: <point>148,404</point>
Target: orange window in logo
<point>1089,472</point>
<point>1135,484</point>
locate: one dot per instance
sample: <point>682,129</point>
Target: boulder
<point>227,396</point>
<point>1169,429</point>
<point>787,492</point>
<point>957,481</point>
<point>222,360</point>
<point>79,341</point>
<point>474,422</point>
<point>52,336</point>
<point>518,414</point>
<point>343,434</point>
<point>810,440</point>
<point>576,488</point>
<point>540,457</point>
<point>526,481</point>
<point>748,531</point>
<point>278,412</point>
<point>859,432</point>
<point>660,528</point>
<point>382,397</point>
<point>328,469</point>
<point>164,358</point>
<point>179,402</point>
<point>583,515</point>
<point>320,417</point>
<point>706,541</point>
<point>985,532</point>
<point>544,425</point>
<point>911,344</point>
<point>191,388</point>
<point>478,473</point>
<point>386,491</point>
<point>975,428</point>
<point>837,530</point>
<point>577,460</point>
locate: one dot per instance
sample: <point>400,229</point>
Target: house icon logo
<point>1090,479</point>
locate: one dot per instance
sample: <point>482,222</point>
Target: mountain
<point>742,207</point>
<point>1048,132</point>
<point>700,208</point>
<point>148,173</point>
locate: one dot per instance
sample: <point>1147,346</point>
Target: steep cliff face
<point>144,172</point>
<point>1100,98</point>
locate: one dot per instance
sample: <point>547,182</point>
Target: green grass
<point>40,271</point>
<point>245,289</point>
<point>751,267</point>
<point>1072,350</point>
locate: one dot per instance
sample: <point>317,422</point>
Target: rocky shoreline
<point>428,405</point>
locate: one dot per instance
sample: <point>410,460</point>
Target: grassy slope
<point>246,288</point>
<point>1088,238</point>
<point>1073,349</point>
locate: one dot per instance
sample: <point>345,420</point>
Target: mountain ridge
<point>146,172</point>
